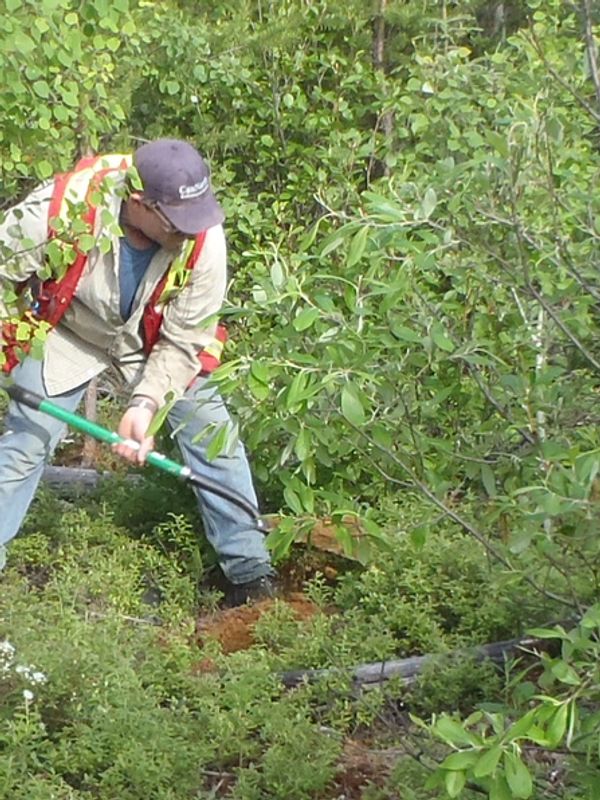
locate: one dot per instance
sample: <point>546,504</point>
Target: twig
<point>461,521</point>
<point>571,336</point>
<point>496,404</point>
<point>559,79</point>
<point>515,225</point>
<point>137,620</point>
<point>590,43</point>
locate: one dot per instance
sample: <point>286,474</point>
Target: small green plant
<point>494,749</point>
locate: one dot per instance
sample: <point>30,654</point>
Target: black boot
<point>263,588</point>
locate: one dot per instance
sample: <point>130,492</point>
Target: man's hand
<point>133,426</point>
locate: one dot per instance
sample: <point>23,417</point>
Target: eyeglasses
<point>166,223</point>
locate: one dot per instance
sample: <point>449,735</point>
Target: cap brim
<point>193,216</point>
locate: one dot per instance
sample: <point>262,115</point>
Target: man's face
<point>153,224</point>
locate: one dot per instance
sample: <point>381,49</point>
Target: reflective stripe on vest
<point>72,189</point>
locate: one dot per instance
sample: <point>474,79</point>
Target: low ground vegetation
<point>412,202</point>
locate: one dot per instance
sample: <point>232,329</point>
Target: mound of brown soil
<point>233,628</point>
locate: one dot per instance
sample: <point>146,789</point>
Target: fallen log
<point>79,479</point>
<point>409,669</point>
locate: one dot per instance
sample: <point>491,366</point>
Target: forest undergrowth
<point>111,690</point>
<point>412,217</point>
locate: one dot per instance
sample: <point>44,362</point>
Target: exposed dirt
<point>233,628</point>
<point>360,768</point>
<point>323,534</point>
<point>361,773</point>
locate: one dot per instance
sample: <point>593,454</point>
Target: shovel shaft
<point>110,437</point>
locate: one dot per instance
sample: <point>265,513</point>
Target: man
<point>142,285</point>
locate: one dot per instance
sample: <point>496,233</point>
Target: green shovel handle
<point>154,458</point>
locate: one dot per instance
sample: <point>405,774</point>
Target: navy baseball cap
<point>177,179</point>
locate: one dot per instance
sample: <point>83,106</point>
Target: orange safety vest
<point>55,295</point>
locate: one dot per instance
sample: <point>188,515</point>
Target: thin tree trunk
<point>386,119</point>
<point>379,41</point>
<point>592,48</point>
<point>90,445</point>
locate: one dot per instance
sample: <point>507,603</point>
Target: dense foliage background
<point>414,232</point>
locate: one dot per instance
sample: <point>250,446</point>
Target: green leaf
<point>344,538</point>
<point>41,24</point>
<point>259,295</point>
<point>305,318</point>
<point>308,238</point>
<point>498,142</point>
<point>455,782</point>
<point>383,209</point>
<point>546,633</point>
<point>591,618</point>
<point>551,504</point>
<point>44,169</point>
<point>429,203</point>
<point>70,98</point>
<point>453,731</point>
<point>23,331</point>
<point>86,242</point>
<point>65,57</point>
<point>61,113</point>
<point>357,246</point>
<point>517,776</point>
<point>42,89</point>
<point>293,500</point>
<point>23,43</point>
<point>499,789</point>
<point>565,673</point>
<point>487,763</point>
<point>218,442</point>
<point>260,390</point>
<point>520,540</point>
<point>301,388</point>
<point>587,466</point>
<point>488,480</point>
<point>279,541</point>
<point>440,338</point>
<point>161,415</point>
<point>520,728</point>
<point>405,334</point>
<point>352,407</point>
<point>296,389</point>
<point>302,446</point>
<point>260,371</point>
<point>330,244</point>
<point>462,760</point>
<point>435,780</point>
<point>277,275</point>
<point>557,726</point>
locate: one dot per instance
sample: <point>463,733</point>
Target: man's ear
<point>137,197</point>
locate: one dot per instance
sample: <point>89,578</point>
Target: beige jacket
<point>92,335</point>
